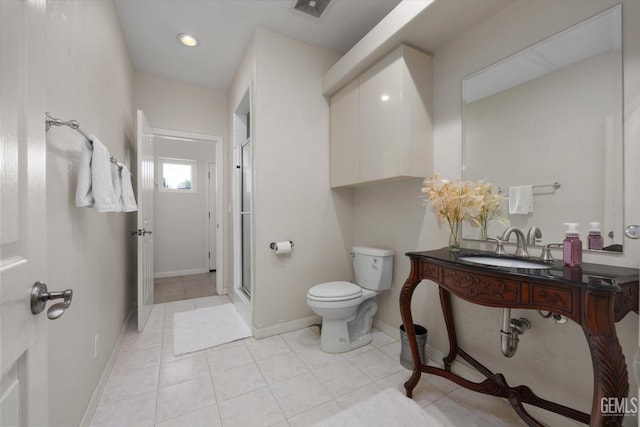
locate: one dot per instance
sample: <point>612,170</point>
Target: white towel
<point>117,185</point>
<point>84,198</point>
<point>128,200</point>
<point>521,200</point>
<point>101,183</point>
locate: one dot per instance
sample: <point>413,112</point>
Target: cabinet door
<point>380,118</point>
<point>345,136</point>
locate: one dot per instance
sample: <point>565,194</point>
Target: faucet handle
<point>522,252</point>
<point>499,245</point>
<point>546,252</point>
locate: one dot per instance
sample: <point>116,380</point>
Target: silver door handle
<point>632,231</point>
<point>40,295</point>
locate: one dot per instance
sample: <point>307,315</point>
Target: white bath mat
<point>390,408</point>
<point>207,327</point>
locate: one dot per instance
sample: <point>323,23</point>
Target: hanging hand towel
<point>521,200</point>
<point>101,183</point>
<point>117,185</point>
<point>84,198</point>
<point>128,200</point>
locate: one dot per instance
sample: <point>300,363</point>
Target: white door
<point>212,216</point>
<point>23,336</point>
<point>144,143</point>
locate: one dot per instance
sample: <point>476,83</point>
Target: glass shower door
<point>245,215</point>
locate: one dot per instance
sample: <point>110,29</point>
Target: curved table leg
<point>405,310</point>
<point>445,302</point>
<point>611,381</point>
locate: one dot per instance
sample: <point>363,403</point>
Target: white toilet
<point>347,309</point>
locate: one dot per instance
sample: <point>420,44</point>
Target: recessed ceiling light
<point>187,40</point>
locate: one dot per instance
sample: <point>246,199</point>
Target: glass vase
<point>483,231</point>
<point>455,236</point>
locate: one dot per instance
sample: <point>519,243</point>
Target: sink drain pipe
<point>511,329</point>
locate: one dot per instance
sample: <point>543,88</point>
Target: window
<point>177,175</point>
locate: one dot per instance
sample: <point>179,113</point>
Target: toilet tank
<point>373,267</point>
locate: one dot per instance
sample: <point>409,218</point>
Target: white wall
<point>89,79</point>
<point>173,105</point>
<point>181,221</point>
<point>292,198</point>
<point>553,360</point>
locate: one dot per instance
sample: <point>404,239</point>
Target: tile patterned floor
<point>280,381</point>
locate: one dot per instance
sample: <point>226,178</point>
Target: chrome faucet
<point>521,248</point>
<point>534,234</point>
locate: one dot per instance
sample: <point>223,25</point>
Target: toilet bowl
<point>347,309</point>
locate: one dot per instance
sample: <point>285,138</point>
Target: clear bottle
<point>572,246</point>
<point>595,237</point>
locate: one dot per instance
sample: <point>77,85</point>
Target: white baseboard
<point>102,383</point>
<point>393,331</point>
<point>179,273</point>
<point>243,305</point>
<point>284,327</point>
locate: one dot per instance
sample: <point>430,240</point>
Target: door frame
<point>212,191</point>
<point>242,120</point>
<point>217,141</point>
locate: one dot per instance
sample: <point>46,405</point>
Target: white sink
<point>503,262</point>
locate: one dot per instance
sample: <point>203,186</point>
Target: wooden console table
<point>593,296</point>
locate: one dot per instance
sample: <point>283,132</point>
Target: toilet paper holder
<point>272,245</point>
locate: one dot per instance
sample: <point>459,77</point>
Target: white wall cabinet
<point>382,124</point>
<point>345,135</point>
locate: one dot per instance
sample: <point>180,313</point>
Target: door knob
<point>40,295</point>
<point>632,231</point>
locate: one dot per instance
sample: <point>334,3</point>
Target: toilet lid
<point>335,291</point>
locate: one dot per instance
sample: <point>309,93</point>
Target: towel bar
<point>73,124</point>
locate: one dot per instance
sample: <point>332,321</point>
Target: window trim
<point>169,160</point>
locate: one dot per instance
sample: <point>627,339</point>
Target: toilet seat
<point>334,291</point>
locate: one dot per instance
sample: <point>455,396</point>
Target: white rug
<point>390,408</point>
<point>207,327</point>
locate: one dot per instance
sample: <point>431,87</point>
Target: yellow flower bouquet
<point>490,209</point>
<point>456,201</point>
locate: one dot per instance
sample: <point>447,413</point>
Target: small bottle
<point>572,246</point>
<point>595,237</point>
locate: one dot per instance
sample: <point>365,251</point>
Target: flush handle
<point>40,295</point>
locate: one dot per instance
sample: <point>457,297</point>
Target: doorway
<point>187,217</point>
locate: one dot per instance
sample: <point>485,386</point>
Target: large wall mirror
<point>550,116</point>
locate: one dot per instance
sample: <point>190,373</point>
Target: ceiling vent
<point>312,7</point>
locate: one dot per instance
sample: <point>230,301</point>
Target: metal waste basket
<point>406,359</point>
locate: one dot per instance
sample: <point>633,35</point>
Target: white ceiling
<point>224,28</point>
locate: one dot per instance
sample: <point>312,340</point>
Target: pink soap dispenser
<point>572,246</point>
<point>595,236</point>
